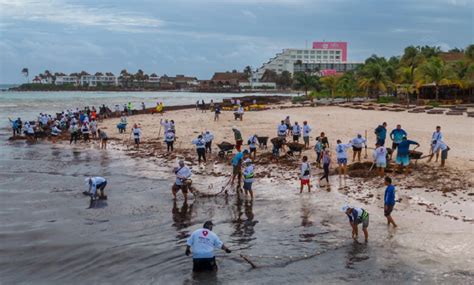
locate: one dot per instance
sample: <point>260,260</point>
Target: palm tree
<point>406,81</point>
<point>26,73</point>
<point>373,79</point>
<point>331,83</point>
<point>469,53</point>
<point>347,85</point>
<point>435,71</point>
<point>306,82</point>
<point>248,71</point>
<point>412,58</point>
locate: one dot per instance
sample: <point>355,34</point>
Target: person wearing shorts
<point>200,148</point>
<point>183,173</point>
<point>397,136</point>
<point>357,216</point>
<point>137,133</point>
<point>389,201</point>
<point>252,142</point>
<point>306,132</point>
<point>440,145</point>
<point>238,138</point>
<point>248,177</point>
<point>357,144</point>
<point>305,174</point>
<point>296,131</point>
<point>380,159</point>
<point>403,154</point>
<point>341,154</point>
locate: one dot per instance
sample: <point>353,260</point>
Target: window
<point>319,52</point>
<point>306,51</point>
<point>325,52</point>
<point>306,56</point>
<point>325,57</point>
<point>312,57</point>
<point>287,61</point>
<point>299,56</point>
<point>331,57</point>
<point>338,57</point>
<point>300,52</point>
<point>313,52</point>
<point>338,52</point>
<point>293,56</point>
<point>331,52</point>
<point>318,57</point>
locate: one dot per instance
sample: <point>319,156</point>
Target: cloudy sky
<point>198,37</point>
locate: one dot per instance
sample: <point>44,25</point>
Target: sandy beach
<point>280,228</point>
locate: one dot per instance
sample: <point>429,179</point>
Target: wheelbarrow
<point>294,147</point>
<point>225,148</point>
<point>121,127</point>
<point>238,116</point>
<point>262,142</point>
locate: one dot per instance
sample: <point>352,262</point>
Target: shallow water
<point>138,235</point>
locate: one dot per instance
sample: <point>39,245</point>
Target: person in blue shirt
<point>403,154</point>
<point>389,201</point>
<point>397,136</point>
<point>237,167</point>
<point>381,133</point>
<point>201,244</point>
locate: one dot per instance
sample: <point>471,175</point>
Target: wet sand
<point>138,235</point>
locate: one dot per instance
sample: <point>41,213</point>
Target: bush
<point>433,104</point>
<point>299,99</point>
<point>387,99</point>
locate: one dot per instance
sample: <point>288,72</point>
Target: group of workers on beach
<point>84,124</point>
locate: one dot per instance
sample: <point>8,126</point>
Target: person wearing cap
<point>381,133</point>
<point>208,137</point>
<point>201,244</point>
<point>200,148</point>
<point>238,138</point>
<point>169,139</point>
<point>248,177</point>
<point>296,131</point>
<point>306,132</point>
<point>183,175</point>
<point>357,144</point>
<point>357,216</point>
<point>252,142</point>
<point>96,183</point>
<point>282,129</point>
<point>305,174</point>
<point>137,133</point>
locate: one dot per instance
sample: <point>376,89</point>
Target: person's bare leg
<point>301,188</point>
<point>391,221</point>
<point>340,171</point>
<point>358,155</point>
<point>354,156</point>
<point>309,187</point>
<point>366,234</point>
<point>437,156</point>
<point>442,162</point>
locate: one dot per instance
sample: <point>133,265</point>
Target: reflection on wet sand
<point>357,252</point>
<point>182,216</point>
<point>243,226</point>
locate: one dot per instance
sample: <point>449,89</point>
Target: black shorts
<point>137,141</point>
<point>296,137</point>
<point>253,149</point>
<point>356,149</point>
<point>394,146</point>
<point>204,264</point>
<point>388,210</point>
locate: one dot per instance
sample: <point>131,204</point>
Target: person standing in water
<point>201,244</point>
<point>96,183</point>
<point>326,163</point>
<point>248,177</point>
<point>357,216</point>
<point>305,174</point>
<point>103,139</point>
<point>183,174</point>
<point>137,133</point>
<point>389,201</point>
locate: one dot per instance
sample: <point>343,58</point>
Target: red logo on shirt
<point>205,233</point>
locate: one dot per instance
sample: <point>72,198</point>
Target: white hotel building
<point>324,55</point>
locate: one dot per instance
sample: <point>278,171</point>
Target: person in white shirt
<point>183,182</point>
<point>441,146</point>
<point>169,139</point>
<point>437,136</point>
<point>296,131</point>
<point>93,126</point>
<point>94,184</point>
<point>200,148</point>
<point>201,244</point>
<point>282,129</point>
<point>208,137</point>
<point>55,131</point>
<point>306,132</point>
<point>252,142</point>
<point>248,177</point>
<point>341,154</point>
<point>305,174</point>
<point>380,159</point>
<point>166,125</point>
<point>85,132</point>
<point>357,144</point>
<point>137,133</point>
<point>240,113</point>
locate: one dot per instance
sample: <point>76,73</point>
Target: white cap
<point>345,208</point>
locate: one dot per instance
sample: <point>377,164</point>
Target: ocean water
<point>49,236</point>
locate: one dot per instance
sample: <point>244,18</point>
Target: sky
<point>200,37</point>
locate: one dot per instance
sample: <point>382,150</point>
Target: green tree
<point>373,79</point>
<point>331,83</point>
<point>434,71</point>
<point>284,80</point>
<point>469,53</point>
<point>347,85</point>
<point>306,82</point>
<point>248,71</point>
<point>412,58</point>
